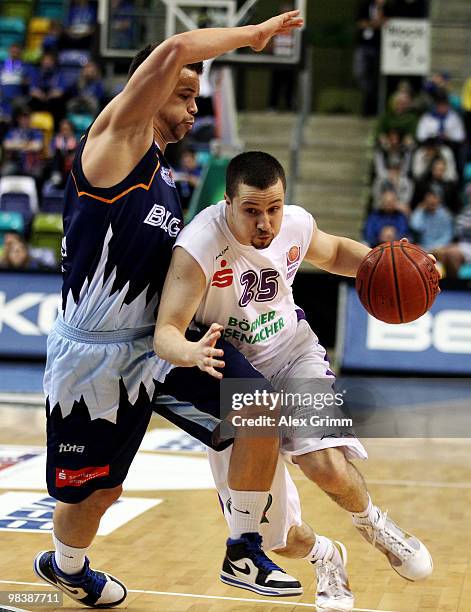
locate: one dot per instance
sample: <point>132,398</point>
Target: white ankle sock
<point>370,514</point>
<point>68,559</point>
<point>246,511</point>
<point>323,549</point>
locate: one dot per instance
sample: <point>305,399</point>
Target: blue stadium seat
<point>465,271</point>
<point>71,62</point>
<point>52,9</point>
<point>52,199</point>
<point>12,29</point>
<point>17,202</point>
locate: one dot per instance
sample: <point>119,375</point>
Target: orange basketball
<point>397,282</point>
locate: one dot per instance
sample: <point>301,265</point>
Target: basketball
<point>397,282</point>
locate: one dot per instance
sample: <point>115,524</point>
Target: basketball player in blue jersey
<point>232,272</point>
<point>121,219</point>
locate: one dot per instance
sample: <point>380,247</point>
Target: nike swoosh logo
<point>66,587</point>
<point>241,511</point>
<point>246,570</point>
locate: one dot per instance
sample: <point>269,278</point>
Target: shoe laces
<point>391,539</point>
<point>328,578</point>
<point>254,549</point>
<point>89,580</point>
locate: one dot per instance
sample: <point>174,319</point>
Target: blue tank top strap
<point>101,337</point>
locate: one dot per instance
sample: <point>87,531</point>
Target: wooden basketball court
<point>170,555</point>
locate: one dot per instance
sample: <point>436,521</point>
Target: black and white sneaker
<point>246,566</point>
<point>90,587</point>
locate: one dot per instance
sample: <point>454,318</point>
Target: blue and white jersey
<point>118,245</point>
<point>116,252</point>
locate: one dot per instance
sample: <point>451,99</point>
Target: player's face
<point>175,119</point>
<point>255,215</point>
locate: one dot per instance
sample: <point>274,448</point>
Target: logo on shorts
<point>77,478</point>
<point>71,448</point>
<point>166,174</point>
<point>293,259</point>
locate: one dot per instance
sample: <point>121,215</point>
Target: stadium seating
<point>51,200</point>
<point>47,233</point>
<point>80,122</point>
<point>12,30</point>
<point>18,8</point>
<point>71,63</point>
<point>211,186</point>
<point>38,27</point>
<point>20,185</point>
<point>10,222</point>
<point>45,122</point>
<point>53,9</point>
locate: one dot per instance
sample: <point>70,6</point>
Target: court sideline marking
<point>242,599</point>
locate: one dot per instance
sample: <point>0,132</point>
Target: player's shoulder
<point>296,214</point>
<point>204,222</point>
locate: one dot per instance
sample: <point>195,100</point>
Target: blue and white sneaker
<point>246,566</point>
<point>90,587</point>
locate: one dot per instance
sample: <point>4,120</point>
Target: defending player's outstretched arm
<point>335,254</point>
<point>183,291</point>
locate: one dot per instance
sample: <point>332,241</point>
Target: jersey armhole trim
<point>120,195</point>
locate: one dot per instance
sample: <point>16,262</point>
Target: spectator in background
<point>425,155</point>
<point>392,150</point>
<point>14,80</point>
<point>23,147</point>
<point>80,24</point>
<point>123,26</point>
<point>54,42</point>
<point>48,88</point>
<point>16,255</point>
<point>454,255</point>
<point>399,117</point>
<point>396,181</point>
<point>88,93</point>
<point>466,106</point>
<point>63,147</point>
<point>432,222</point>
<point>187,176</point>
<point>370,19</point>
<point>449,192</point>
<point>386,224</point>
<point>444,123</point>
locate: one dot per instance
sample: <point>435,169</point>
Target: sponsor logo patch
<point>166,174</point>
<point>77,478</point>
<point>293,259</point>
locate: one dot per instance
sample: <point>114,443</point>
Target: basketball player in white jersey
<point>232,271</point>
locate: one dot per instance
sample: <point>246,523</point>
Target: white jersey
<point>249,290</point>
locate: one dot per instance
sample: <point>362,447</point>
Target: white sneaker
<point>333,590</point>
<point>406,553</point>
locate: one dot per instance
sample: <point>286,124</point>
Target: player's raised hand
<point>281,24</point>
<point>205,356</point>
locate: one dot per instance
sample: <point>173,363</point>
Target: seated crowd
<point>421,167</point>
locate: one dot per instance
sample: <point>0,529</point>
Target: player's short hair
<point>253,168</point>
<point>143,54</point>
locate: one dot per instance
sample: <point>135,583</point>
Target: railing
<point>304,109</point>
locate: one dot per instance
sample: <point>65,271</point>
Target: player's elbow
<point>159,341</point>
<point>180,48</point>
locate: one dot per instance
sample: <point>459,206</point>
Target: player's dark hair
<point>143,54</point>
<point>253,168</point>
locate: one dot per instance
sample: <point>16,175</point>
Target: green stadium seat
<point>18,8</point>
<point>47,232</point>
<point>10,222</point>
<point>211,187</point>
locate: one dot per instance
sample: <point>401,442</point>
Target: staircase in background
<point>334,168</point>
